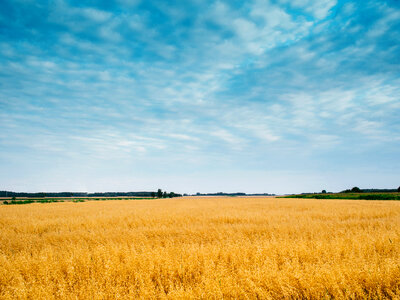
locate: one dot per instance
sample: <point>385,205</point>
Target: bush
<point>78,200</point>
<point>356,190</point>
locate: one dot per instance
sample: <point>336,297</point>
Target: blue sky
<point>199,96</point>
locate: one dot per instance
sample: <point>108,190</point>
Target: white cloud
<point>368,128</point>
<point>273,16</point>
<point>255,37</point>
<point>110,32</point>
<point>95,14</point>
<point>227,136</point>
<point>319,9</point>
<point>184,137</point>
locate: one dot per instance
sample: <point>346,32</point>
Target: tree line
<point>358,190</point>
<point>161,194</point>
<point>158,194</point>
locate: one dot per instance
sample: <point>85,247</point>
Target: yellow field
<point>201,248</point>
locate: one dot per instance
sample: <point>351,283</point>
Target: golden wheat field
<point>206,248</point>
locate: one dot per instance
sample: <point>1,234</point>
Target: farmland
<point>8,201</point>
<point>205,247</point>
<point>352,196</point>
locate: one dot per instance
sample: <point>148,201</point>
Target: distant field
<point>354,196</point>
<point>265,248</point>
<point>10,201</point>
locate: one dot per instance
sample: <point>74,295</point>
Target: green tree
<point>323,191</point>
<point>153,194</point>
<point>165,194</point>
<point>159,193</point>
<point>398,189</point>
<point>356,190</point>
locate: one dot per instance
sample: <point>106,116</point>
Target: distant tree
<point>13,198</point>
<point>323,191</point>
<point>159,193</point>
<point>164,195</point>
<point>356,190</point>
<point>398,189</point>
<point>171,195</point>
<point>153,194</point>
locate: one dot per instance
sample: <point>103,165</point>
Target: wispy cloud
<point>147,87</point>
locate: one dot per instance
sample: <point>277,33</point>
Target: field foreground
<point>201,248</point>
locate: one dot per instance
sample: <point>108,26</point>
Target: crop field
<point>207,248</point>
<point>18,201</point>
<point>353,196</point>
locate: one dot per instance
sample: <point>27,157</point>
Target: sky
<point>258,96</point>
